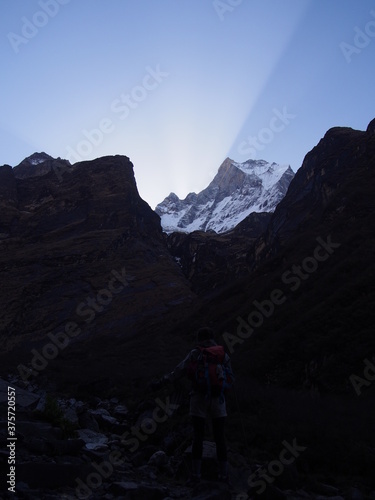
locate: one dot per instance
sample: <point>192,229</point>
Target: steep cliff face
<point>211,261</point>
<point>8,200</point>
<point>80,248</point>
<point>332,175</point>
<point>237,190</point>
<point>303,316</point>
<point>101,194</point>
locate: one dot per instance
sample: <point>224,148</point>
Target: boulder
<point>93,440</point>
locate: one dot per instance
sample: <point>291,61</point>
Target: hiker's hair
<point>205,333</point>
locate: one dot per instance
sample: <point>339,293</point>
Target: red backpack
<point>208,372</point>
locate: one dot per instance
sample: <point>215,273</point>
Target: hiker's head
<point>205,333</point>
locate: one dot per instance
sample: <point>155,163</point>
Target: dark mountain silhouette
<point>317,250</point>
<point>80,248</point>
<point>290,295</point>
<point>210,260</point>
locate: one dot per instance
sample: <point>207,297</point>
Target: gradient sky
<point>179,85</point>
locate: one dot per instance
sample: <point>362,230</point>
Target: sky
<point>179,85</point>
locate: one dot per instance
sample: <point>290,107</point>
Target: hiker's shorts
<point>201,406</point>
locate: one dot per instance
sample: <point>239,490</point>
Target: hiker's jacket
<point>200,404</point>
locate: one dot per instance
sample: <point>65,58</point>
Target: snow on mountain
<point>237,190</point>
<point>37,158</point>
<point>35,165</point>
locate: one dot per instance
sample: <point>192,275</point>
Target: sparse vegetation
<point>52,413</point>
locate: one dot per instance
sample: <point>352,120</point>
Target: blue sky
<point>179,85</point>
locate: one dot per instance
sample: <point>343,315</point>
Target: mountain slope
<point>318,255</point>
<point>237,190</point>
<point>210,260</point>
<point>300,326</point>
<point>332,176</point>
<point>80,249</point>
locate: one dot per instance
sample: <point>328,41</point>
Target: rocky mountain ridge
<point>237,190</point>
<point>66,243</point>
<point>328,170</point>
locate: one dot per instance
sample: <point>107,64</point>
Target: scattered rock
<point>24,399</point>
<point>68,446</point>
<point>143,454</point>
<point>325,489</point>
<point>87,421</point>
<point>159,459</point>
<point>37,429</point>
<point>104,418</point>
<point>70,414</point>
<point>121,411</point>
<point>93,440</point>
<point>52,467</point>
<point>41,406</point>
<point>123,487</point>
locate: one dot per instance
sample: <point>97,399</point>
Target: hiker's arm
<point>228,365</point>
<point>179,371</point>
<point>176,374</point>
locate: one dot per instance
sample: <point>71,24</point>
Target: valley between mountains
<point>101,294</point>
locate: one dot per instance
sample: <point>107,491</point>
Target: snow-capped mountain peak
<point>37,158</point>
<point>237,190</point>
<point>269,173</point>
<point>34,165</point>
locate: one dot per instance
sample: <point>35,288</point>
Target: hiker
<point>206,400</point>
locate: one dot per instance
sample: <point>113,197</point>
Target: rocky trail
<point>67,448</point>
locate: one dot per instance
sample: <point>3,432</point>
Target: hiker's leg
<point>218,425</point>
<point>221,447</point>
<point>198,430</point>
<point>197,448</point>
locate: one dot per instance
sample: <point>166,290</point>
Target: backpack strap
<point>225,385</point>
<point>207,376</point>
<point>203,354</point>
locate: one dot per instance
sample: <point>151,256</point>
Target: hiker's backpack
<point>208,372</point>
